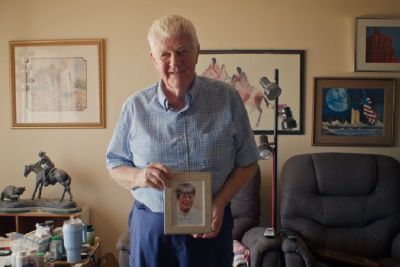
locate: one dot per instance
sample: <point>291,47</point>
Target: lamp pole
<point>272,91</point>
<point>275,158</point>
<point>271,231</point>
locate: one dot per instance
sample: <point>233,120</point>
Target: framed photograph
<point>377,44</point>
<point>57,83</point>
<point>354,111</point>
<point>187,204</point>
<point>243,69</point>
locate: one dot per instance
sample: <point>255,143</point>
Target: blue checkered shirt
<point>211,133</point>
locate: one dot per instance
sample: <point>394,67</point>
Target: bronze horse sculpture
<point>52,176</point>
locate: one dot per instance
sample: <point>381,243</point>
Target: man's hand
<point>155,175</point>
<point>237,179</point>
<point>216,223</point>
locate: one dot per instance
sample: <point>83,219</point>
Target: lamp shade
<point>271,89</point>
<point>288,122</point>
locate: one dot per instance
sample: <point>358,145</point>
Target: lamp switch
<point>269,232</point>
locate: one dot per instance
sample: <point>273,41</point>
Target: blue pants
<point>151,248</point>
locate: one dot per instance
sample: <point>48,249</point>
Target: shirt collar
<point>190,96</point>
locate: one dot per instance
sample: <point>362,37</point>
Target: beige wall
<point>324,28</point>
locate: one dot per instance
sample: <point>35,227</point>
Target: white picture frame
<point>378,58</point>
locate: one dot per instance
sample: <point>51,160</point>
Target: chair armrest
<point>122,247</point>
<point>347,259</point>
<point>396,247</point>
<point>259,246</point>
<point>299,247</point>
<point>124,241</point>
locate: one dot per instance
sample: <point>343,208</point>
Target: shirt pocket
<point>146,150</point>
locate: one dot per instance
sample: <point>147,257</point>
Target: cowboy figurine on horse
<point>46,163</point>
<point>47,173</point>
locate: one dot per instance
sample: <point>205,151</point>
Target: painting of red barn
<point>377,44</point>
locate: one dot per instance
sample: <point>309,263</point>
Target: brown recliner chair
<point>246,212</point>
<point>341,209</point>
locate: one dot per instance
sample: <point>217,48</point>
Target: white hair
<point>172,26</point>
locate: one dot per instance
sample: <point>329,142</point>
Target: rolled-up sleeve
<point>245,145</point>
<point>118,151</point>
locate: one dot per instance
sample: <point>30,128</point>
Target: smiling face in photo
<point>185,201</point>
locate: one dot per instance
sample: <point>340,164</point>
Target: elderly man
<point>182,123</point>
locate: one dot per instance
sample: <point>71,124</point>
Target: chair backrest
<point>343,201</point>
<point>246,207</point>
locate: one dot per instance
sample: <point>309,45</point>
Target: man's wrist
<point>220,201</point>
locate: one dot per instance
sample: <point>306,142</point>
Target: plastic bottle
<point>84,233</point>
<point>90,235</point>
<point>56,247</point>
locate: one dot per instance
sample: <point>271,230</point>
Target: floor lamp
<point>272,91</point>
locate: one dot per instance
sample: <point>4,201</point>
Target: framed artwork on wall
<point>58,83</point>
<point>354,111</point>
<point>243,69</point>
<point>187,203</point>
<point>377,44</point>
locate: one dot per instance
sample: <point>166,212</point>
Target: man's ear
<point>152,58</point>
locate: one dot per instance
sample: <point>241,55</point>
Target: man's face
<point>175,59</point>
<point>185,201</point>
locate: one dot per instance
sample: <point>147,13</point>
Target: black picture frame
<point>256,64</point>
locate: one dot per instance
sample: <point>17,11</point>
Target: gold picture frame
<point>353,111</point>
<point>58,83</point>
<point>183,215</point>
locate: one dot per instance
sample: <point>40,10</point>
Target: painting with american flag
<point>354,111</point>
<point>368,108</point>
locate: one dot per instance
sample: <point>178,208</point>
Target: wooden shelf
<point>26,222</point>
